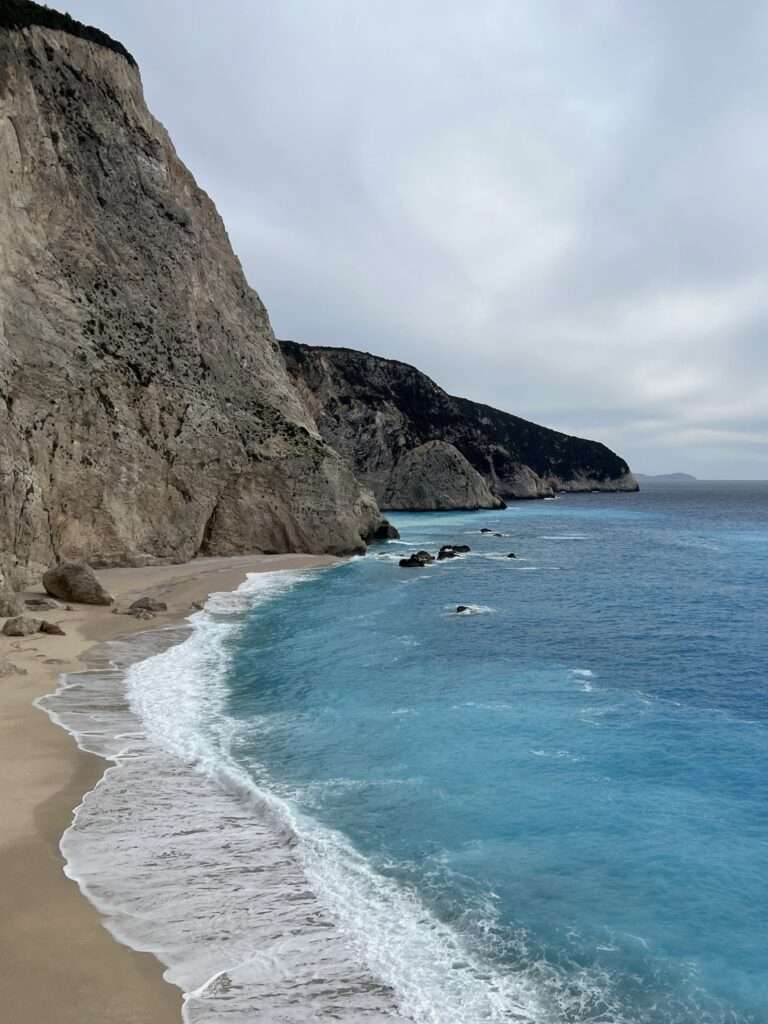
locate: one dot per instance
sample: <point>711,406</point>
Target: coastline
<point>57,961</point>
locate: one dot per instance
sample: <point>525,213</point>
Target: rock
<point>10,603</point>
<point>444,553</point>
<point>117,611</point>
<point>148,413</point>
<point>197,605</point>
<point>425,556</point>
<point>511,555</point>
<point>375,411</point>
<point>414,562</point>
<point>7,668</point>
<point>53,628</point>
<point>486,530</point>
<point>142,613</point>
<point>461,608</point>
<point>435,475</point>
<point>498,535</point>
<point>386,531</point>
<point>41,603</point>
<point>151,604</point>
<point>461,549</point>
<point>21,625</point>
<point>75,581</point>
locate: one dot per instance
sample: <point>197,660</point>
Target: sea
<point>331,796</point>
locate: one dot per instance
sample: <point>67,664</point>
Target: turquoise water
<point>567,785</point>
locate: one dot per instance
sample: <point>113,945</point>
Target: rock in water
<point>21,625</point>
<point>150,604</point>
<point>386,531</point>
<point>148,413</point>
<point>511,555</point>
<point>461,608</point>
<point>377,411</point>
<point>75,581</point>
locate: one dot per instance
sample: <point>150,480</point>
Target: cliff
<point>145,408</point>
<point>384,417</point>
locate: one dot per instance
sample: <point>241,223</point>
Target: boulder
<point>444,553</point>
<point>150,604</point>
<point>461,549</point>
<point>461,608</point>
<point>486,530</point>
<point>21,625</point>
<point>413,562</point>
<point>52,628</point>
<point>10,603</point>
<point>41,604</point>
<point>75,581</point>
<point>511,555</point>
<point>425,556</point>
<point>142,613</point>
<point>385,531</point>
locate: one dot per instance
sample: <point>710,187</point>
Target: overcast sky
<point>560,209</point>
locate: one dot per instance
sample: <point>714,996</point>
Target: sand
<point>58,964</point>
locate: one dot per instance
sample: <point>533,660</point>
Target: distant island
<point>674,477</point>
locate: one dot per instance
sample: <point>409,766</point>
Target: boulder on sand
<point>39,604</point>
<point>21,625</point>
<point>75,581</point>
<point>52,628</point>
<point>150,604</point>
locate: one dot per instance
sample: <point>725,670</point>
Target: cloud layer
<point>556,208</point>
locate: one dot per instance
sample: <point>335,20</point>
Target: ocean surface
<point>335,798</point>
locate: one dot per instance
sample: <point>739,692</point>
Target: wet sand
<point>57,962</point>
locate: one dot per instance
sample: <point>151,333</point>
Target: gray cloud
<point>556,208</point>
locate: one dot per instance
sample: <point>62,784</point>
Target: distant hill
<point>679,477</point>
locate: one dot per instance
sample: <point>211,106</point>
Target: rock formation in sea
<point>411,442</point>
<point>145,409</point>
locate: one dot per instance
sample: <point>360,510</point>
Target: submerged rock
<point>461,608</point>
<point>417,560</point>
<point>21,625</point>
<point>75,581</point>
<point>511,555</point>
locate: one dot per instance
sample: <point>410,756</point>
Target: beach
<point>57,962</point>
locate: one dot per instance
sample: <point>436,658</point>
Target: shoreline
<point>57,960</point>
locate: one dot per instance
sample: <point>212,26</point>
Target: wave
<point>255,909</point>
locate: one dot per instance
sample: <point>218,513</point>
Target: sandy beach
<point>57,962</point>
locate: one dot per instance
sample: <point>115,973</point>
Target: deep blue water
<point>573,777</point>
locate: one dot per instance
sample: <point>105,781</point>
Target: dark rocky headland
<point>146,411</point>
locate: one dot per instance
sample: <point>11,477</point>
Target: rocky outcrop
<point>75,581</point>
<point>434,476</point>
<point>21,625</point>
<point>382,416</point>
<point>145,409</point>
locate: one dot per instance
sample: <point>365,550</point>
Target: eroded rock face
<point>377,412</point>
<point>145,410</point>
<point>433,476</point>
<point>75,581</point>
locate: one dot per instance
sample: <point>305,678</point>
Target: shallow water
<point>338,799</point>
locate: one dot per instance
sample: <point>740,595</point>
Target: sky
<point>556,208</point>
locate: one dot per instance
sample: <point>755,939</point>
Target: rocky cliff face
<point>145,409</point>
<point>382,415</point>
